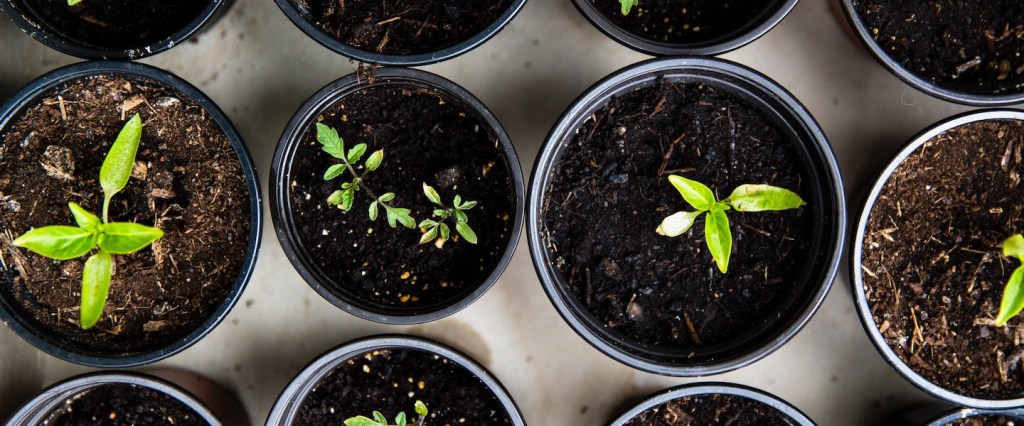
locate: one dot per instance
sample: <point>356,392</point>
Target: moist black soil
<point>427,137</point>
<point>686,21</point>
<point>610,191</point>
<point>121,404</point>
<point>932,264</point>
<point>113,24</point>
<point>401,27</point>
<point>968,45</point>
<point>187,181</point>
<point>986,420</point>
<point>392,380</point>
<point>712,409</point>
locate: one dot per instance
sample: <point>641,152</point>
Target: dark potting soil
<point>187,181</point>
<point>986,420</point>
<point>711,409</point>
<point>427,137</point>
<point>401,27</point>
<point>121,404</point>
<point>391,381</point>
<point>686,21</point>
<point>116,24</point>
<point>610,191</point>
<point>970,45</point>
<point>932,264</point>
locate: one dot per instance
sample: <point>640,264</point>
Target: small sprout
<point>68,242</point>
<point>73,2</point>
<point>745,198</point>
<point>438,229</point>
<point>1013,294</point>
<point>380,420</point>
<point>627,5</point>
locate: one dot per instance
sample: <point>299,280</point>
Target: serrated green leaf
<point>403,217</point>
<point>466,232</point>
<point>428,236</point>
<point>460,216</point>
<point>83,218</point>
<point>126,238</point>
<point>626,5</point>
<point>117,165</point>
<point>329,140</point>
<point>695,193</point>
<point>334,171</point>
<point>400,419</point>
<point>386,197</point>
<point>1013,298</point>
<point>421,408</point>
<point>380,418</point>
<point>457,201</point>
<point>1014,247</point>
<point>373,211</point>
<point>360,421</point>
<point>467,205</point>
<point>427,223</point>
<point>719,238</point>
<point>756,198</point>
<point>335,197</point>
<point>440,212</point>
<point>58,242</point>
<point>95,287</point>
<point>356,153</point>
<point>431,194</point>
<point>677,223</point>
<point>445,232</point>
<point>347,198</point>
<point>375,159</point>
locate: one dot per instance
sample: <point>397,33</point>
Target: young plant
<point>745,198</point>
<point>379,419</point>
<point>437,228</point>
<point>73,2</point>
<point>68,242</point>
<point>345,197</point>
<point>627,5</point>
<point>1013,294</point>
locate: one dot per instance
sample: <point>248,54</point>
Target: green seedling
<point>68,242</point>
<point>438,229</point>
<point>627,5</point>
<point>1013,294</point>
<point>345,197</point>
<point>745,198</point>
<point>73,2</point>
<point>379,419</point>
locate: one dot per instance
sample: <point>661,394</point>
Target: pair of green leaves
<point>627,5</point>
<point>379,419</point>
<point>1013,294</point>
<point>437,228</point>
<point>68,242</point>
<point>745,198</point>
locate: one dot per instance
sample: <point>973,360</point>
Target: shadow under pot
<point>604,200</point>
<point>191,179</point>
<point>397,32</point>
<point>678,27</point>
<point>943,415</point>
<point>394,374</point>
<point>712,404</point>
<point>963,52</point>
<point>107,29</point>
<point>927,265</point>
<point>398,199</point>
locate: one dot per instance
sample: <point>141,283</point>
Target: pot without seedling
<point>709,403</point>
<point>398,198</point>
<point>392,375</point>
<point>201,218</point>
<point>927,262</point>
<point>107,29</point>
<point>604,191</point>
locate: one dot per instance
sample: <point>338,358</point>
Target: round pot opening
<point>751,402</point>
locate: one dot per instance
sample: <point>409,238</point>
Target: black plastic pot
<point>48,33</point>
<point>995,97</point>
<point>856,254</point>
<point>52,343</point>
<point>795,416</point>
<point>211,408</point>
<point>290,401</point>
<point>284,223</point>
<point>943,415</point>
<point>794,122</point>
<point>442,54</point>
<point>751,31</point>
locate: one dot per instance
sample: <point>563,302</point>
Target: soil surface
<point>391,381</point>
<point>401,27</point>
<point>110,24</point>
<point>686,21</point>
<point>426,136</point>
<point>712,409</point>
<point>932,264</point>
<point>187,181</point>
<point>661,291</point>
<point>121,404</point>
<point>967,45</point>
<point>986,420</point>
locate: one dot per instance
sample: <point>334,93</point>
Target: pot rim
<point>28,95</point>
<point>412,60</point>
<point>704,388</point>
<point>40,31</point>
<point>856,258</point>
<point>290,400</point>
<point>819,154</point>
<point>961,413</point>
<point>34,410</point>
<point>915,81</point>
<point>280,176</point>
